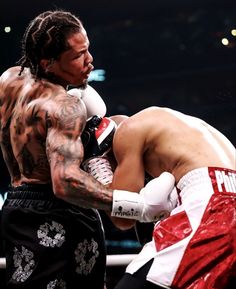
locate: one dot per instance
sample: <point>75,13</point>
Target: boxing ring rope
<point>120,260</point>
<point>2,263</point>
<point>112,260</point>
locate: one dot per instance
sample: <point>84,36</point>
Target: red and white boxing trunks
<point>195,248</point>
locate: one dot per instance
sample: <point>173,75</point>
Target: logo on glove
<point>127,213</point>
<point>97,136</point>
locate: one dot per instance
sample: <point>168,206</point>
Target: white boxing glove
<point>154,202</point>
<point>92,100</point>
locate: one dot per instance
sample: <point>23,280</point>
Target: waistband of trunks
<point>222,179</point>
<point>31,191</point>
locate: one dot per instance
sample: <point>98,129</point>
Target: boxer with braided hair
<point>52,230</point>
<point>46,37</point>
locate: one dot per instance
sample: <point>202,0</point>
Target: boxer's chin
<point>83,85</point>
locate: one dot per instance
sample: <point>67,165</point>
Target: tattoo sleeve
<point>65,153</point>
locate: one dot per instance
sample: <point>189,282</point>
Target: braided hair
<point>46,38</point>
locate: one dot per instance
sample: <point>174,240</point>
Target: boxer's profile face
<point>75,64</point>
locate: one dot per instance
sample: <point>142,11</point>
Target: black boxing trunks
<point>195,247</point>
<point>50,243</point>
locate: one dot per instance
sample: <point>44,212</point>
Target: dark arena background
<point>179,54</point>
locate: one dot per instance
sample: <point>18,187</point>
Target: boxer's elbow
<point>123,224</point>
<point>60,185</point>
<point>59,189</point>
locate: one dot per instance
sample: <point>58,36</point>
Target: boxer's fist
<point>92,100</point>
<point>159,197</point>
<point>154,202</point>
<point>97,139</point>
<point>97,136</point>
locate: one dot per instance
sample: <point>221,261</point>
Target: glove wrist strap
<point>127,205</point>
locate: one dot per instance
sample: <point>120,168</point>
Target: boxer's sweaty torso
<point>180,143</point>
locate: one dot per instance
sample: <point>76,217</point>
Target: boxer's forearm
<point>81,189</point>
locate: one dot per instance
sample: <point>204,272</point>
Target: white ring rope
<point>120,260</point>
<point>112,260</point>
<point>2,263</point>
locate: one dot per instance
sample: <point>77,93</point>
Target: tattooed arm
<point>65,153</point>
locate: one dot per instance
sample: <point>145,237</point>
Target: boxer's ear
<point>46,64</point>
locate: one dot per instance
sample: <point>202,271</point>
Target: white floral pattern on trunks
<point>24,264</point>
<point>85,255</point>
<point>51,235</point>
<point>57,284</point>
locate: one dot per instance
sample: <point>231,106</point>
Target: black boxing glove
<point>97,136</point>
<point>97,139</point>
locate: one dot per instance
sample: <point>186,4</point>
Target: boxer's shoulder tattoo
<point>66,123</point>
<point>69,117</point>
